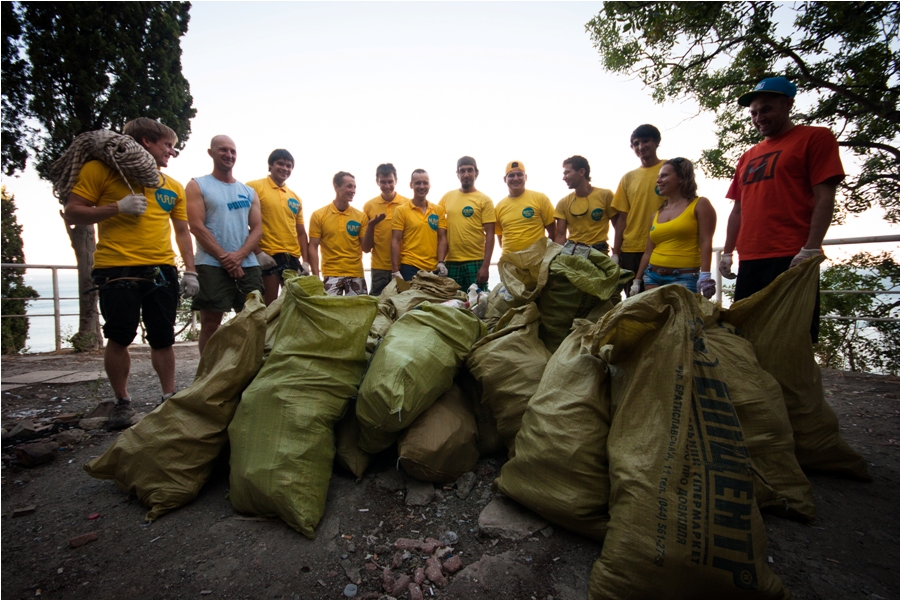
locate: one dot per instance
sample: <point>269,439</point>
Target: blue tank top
<point>227,218</point>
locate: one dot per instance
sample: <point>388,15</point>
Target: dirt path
<point>207,550</point>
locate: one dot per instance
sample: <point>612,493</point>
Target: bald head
<point>224,154</point>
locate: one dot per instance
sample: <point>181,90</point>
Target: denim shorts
<point>688,280</point>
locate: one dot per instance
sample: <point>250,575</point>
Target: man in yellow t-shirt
<point>586,212</point>
<point>523,215</point>
<point>380,211</point>
<point>134,265</point>
<point>419,233</point>
<point>284,243</point>
<point>344,234</point>
<point>637,201</point>
<point>470,228</point>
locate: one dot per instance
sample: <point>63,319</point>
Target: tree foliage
<point>843,56</point>
<point>15,73</point>
<point>95,65</point>
<point>861,345</point>
<point>12,282</point>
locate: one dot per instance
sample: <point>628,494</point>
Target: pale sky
<point>347,86</point>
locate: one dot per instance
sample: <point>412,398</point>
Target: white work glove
<point>190,285</point>
<point>442,269</point>
<point>397,275</point>
<point>706,284</point>
<point>307,269</point>
<point>804,254</point>
<point>132,204</point>
<point>614,258</point>
<point>636,287</point>
<point>265,261</point>
<point>725,264</point>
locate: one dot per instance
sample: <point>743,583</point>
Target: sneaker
<point>121,415</point>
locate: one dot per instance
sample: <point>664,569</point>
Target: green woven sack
<point>509,364</point>
<point>166,458</point>
<point>282,440</point>
<point>415,363</point>
<point>575,287</point>
<point>560,468</point>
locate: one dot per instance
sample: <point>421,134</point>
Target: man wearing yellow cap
<point>470,228</point>
<point>419,233</point>
<point>586,212</point>
<point>523,215</point>
<point>344,234</point>
<point>380,211</point>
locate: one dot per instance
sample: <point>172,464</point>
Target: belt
<point>662,271</point>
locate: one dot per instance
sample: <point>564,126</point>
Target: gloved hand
<point>132,204</point>
<point>397,275</point>
<point>265,261</point>
<point>190,285</point>
<point>307,269</point>
<point>614,258</point>
<point>636,287</point>
<point>442,269</point>
<point>804,254</point>
<point>725,264</point>
<point>706,284</point>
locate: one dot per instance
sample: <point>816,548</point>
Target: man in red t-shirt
<point>783,191</point>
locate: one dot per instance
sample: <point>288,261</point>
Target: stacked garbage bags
<point>661,426</point>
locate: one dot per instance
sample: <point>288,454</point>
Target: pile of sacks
<point>661,425</point>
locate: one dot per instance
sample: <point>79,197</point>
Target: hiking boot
<point>121,415</point>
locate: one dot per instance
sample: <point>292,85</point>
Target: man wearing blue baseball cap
<point>783,191</point>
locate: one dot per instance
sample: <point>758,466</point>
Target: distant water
<point>41,329</point>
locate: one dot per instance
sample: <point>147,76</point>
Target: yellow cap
<point>516,165</point>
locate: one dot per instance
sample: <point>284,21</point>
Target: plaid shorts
<point>345,286</point>
<point>465,273</point>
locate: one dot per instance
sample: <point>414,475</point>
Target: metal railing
<point>717,255</point>
<point>57,315</point>
<point>875,239</point>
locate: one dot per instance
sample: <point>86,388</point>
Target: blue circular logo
<point>166,199</point>
<point>597,214</point>
<point>433,222</point>
<point>528,213</point>
<point>656,189</point>
<point>294,205</point>
<point>468,211</point>
<point>353,228</point>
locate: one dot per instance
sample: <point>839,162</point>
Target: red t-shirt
<point>773,182</point>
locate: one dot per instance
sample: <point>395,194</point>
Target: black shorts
<point>152,296</point>
<point>283,261</point>
<point>754,275</point>
<point>632,262</point>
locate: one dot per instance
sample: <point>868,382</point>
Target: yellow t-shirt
<point>521,220</point>
<point>636,195</point>
<point>466,216</point>
<point>340,239</point>
<point>420,233</point>
<point>128,240</point>
<point>677,242</point>
<point>282,211</point>
<point>587,219</point>
<point>381,253</point>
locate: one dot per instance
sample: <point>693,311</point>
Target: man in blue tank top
<point>225,219</point>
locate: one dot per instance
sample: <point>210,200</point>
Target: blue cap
<point>771,85</point>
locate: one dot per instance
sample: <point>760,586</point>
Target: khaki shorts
<point>345,286</point>
<point>219,292</point>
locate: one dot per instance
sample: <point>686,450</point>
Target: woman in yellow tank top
<point>679,247</point>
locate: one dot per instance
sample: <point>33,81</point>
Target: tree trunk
<point>84,243</point>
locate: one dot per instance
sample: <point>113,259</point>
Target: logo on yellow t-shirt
<point>597,214</point>
<point>166,199</point>
<point>433,222</point>
<point>353,228</point>
<point>294,205</point>
<point>528,213</point>
<point>468,211</point>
